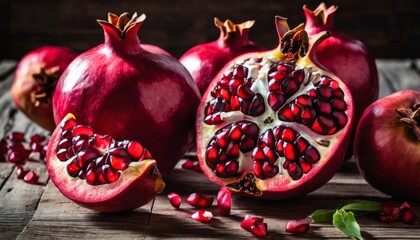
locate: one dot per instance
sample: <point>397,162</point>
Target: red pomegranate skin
<point>205,60</point>
<point>347,58</point>
<point>25,86</point>
<point>387,152</point>
<point>154,49</point>
<point>122,90</point>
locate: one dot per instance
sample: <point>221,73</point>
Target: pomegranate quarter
<point>272,124</point>
<point>99,173</point>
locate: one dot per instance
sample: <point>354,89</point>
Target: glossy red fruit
<point>387,142</point>
<point>298,226</point>
<point>155,49</point>
<point>98,172</point>
<point>199,200</point>
<point>224,201</point>
<point>347,58</point>
<point>254,225</point>
<point>205,60</point>
<point>146,97</point>
<point>174,200</point>
<point>272,124</point>
<point>35,78</point>
<point>202,216</point>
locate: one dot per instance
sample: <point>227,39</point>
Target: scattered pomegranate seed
<point>188,164</point>
<point>174,199</point>
<point>224,201</point>
<point>16,136</point>
<point>20,171</point>
<point>254,225</point>
<point>197,167</point>
<point>406,214</point>
<point>31,177</point>
<point>297,226</point>
<point>199,200</point>
<point>202,216</point>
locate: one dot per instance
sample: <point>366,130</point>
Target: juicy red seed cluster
<point>283,82</point>
<point>198,200</point>
<point>285,142</point>
<point>321,109</point>
<point>392,212</point>
<point>233,93</point>
<point>223,149</point>
<point>255,225</point>
<point>98,159</point>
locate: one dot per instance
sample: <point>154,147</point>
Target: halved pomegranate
<point>272,124</point>
<point>98,172</point>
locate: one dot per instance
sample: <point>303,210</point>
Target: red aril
<point>205,60</point>
<point>298,226</point>
<point>272,124</point>
<point>224,201</point>
<point>347,58</point>
<point>202,216</point>
<point>146,97</point>
<point>254,225</point>
<point>199,200</point>
<point>174,200</point>
<point>98,172</point>
<point>35,78</point>
<point>31,177</point>
<point>386,145</point>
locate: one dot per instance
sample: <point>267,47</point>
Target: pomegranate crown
<point>123,23</point>
<point>321,18</point>
<point>47,80</point>
<point>295,43</point>
<point>228,28</point>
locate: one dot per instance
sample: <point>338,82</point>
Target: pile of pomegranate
<point>268,124</point>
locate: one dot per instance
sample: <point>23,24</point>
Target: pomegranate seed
<point>110,174</point>
<point>304,100</point>
<point>232,150</point>
<point>289,151</point>
<point>270,155</point>
<point>224,201</point>
<point>339,104</point>
<point>20,171</point>
<point>188,164</point>
<point>276,101</point>
<point>18,157</point>
<point>16,136</point>
<point>119,163</point>
<point>250,129</point>
<point>289,135</point>
<point>37,138</point>
<point>254,225</point>
<point>135,149</point>
<point>235,133</point>
<point>62,154</point>
<point>36,147</point>
<point>257,106</point>
<point>82,130</point>
<point>391,208</point>
<point>231,168</point>
<point>325,91</point>
<point>30,177</point>
<point>270,170</point>
<point>297,226</point>
<point>301,144</point>
<point>16,146</point>
<point>312,155</point>
<point>72,167</point>
<point>267,139</point>
<point>86,156</point>
<point>102,142</point>
<point>68,124</point>
<point>174,200</point>
<point>258,154</point>
<point>285,114</point>
<point>199,200</point>
<point>245,92</point>
<point>295,171</point>
<point>202,216</point>
<point>323,125</point>
<point>91,177</point>
<point>408,216</point>
<point>383,218</point>
<point>222,138</point>
<point>340,118</point>
<point>306,167</point>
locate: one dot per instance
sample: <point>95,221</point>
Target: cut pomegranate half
<point>98,172</point>
<point>273,124</point>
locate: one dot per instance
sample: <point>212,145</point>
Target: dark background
<point>390,28</point>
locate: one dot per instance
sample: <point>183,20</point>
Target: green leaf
<point>322,215</point>
<point>362,206</point>
<point>346,223</point>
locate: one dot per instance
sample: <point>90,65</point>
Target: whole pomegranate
<point>345,57</point>
<point>272,124</point>
<point>154,49</point>
<point>205,60</point>
<point>386,147</point>
<point>35,78</point>
<point>126,92</point>
<point>99,173</point>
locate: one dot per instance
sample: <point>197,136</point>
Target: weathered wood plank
<point>59,217</point>
<point>19,200</point>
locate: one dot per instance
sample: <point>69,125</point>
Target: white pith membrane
<point>76,188</point>
<point>258,69</point>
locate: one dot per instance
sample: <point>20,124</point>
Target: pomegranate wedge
<point>98,172</point>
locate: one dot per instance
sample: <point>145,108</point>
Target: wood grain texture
<point>389,28</point>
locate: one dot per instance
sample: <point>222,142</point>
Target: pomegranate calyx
<point>123,23</point>
<point>247,184</point>
<point>411,119</point>
<point>321,17</point>
<point>47,80</point>
<point>229,29</point>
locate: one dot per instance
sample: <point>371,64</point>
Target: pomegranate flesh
<point>99,173</point>
<point>347,58</point>
<point>386,145</point>
<point>35,78</point>
<point>147,97</point>
<point>272,124</point>
<point>205,60</point>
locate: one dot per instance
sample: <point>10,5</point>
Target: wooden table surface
<point>39,211</point>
